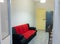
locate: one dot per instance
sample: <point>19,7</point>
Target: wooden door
<point>40,18</point>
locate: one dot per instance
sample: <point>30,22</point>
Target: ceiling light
<point>42,1</point>
<point>1,0</point>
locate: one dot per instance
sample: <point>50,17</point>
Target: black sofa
<point>18,38</point>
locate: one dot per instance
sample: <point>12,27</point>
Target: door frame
<point>54,21</point>
<point>56,27</point>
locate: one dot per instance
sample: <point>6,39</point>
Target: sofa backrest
<point>21,28</point>
<point>25,27</point>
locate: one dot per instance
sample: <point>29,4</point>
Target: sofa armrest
<point>32,28</point>
<point>17,37</point>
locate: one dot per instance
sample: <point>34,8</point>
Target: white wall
<point>56,28</point>
<point>49,5</point>
<point>22,12</point>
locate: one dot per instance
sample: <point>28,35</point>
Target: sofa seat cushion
<point>28,34</point>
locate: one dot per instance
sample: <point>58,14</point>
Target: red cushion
<point>19,29</point>
<point>25,27</point>
<point>29,33</point>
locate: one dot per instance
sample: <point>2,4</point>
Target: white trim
<point>9,16</point>
<point>0,26</point>
<point>56,27</point>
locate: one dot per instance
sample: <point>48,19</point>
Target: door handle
<point>44,19</point>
